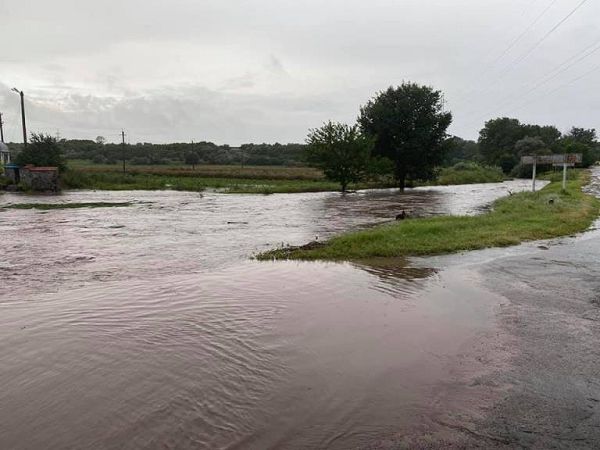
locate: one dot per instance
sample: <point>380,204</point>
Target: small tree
<point>42,150</point>
<point>192,159</point>
<point>341,151</point>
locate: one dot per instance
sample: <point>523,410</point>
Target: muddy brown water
<point>150,327</point>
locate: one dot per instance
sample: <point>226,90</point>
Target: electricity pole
<point>22,114</point>
<point>123,149</point>
<point>1,129</point>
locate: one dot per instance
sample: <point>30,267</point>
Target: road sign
<point>560,159</point>
<point>565,160</point>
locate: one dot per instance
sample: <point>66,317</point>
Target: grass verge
<point>77,179</point>
<point>526,216</point>
<point>49,206</point>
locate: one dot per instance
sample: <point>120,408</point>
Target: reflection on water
<point>147,327</point>
<point>395,275</point>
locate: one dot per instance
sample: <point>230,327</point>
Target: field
<point>228,179</point>
<point>238,179</point>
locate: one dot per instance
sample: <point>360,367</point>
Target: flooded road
<point>149,327</point>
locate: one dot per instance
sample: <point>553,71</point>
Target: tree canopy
<point>408,124</point>
<point>192,159</point>
<point>499,137</point>
<point>341,151</point>
<point>42,151</point>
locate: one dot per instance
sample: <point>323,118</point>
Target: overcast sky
<point>236,71</point>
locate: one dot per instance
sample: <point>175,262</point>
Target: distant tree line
<point>503,141</point>
<point>100,152</point>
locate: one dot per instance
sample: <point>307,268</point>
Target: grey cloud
<point>267,70</point>
<point>181,113</point>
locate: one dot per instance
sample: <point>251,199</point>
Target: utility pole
<point>1,129</point>
<point>123,149</point>
<point>22,114</point>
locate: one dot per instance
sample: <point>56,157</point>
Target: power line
<point>558,70</point>
<point>529,52</point>
<point>524,33</point>
<point>594,69</point>
<point>510,46</point>
<point>549,33</point>
<point>558,88</point>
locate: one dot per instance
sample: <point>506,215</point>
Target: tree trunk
<point>400,176</point>
<point>344,186</point>
<point>402,183</point>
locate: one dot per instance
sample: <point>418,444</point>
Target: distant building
<point>40,179</point>
<point>4,154</point>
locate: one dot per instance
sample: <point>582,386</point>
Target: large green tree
<point>408,124</point>
<point>529,146</point>
<point>460,150</point>
<point>42,150</point>
<point>341,151</point>
<point>497,140</point>
<point>584,141</point>
<point>499,137</point>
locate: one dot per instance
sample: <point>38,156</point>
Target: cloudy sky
<point>235,71</point>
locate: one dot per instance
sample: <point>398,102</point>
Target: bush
<point>99,159</point>
<point>470,173</point>
<point>42,150</point>
<point>140,161</point>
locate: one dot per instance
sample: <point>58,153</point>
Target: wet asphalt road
<point>535,381</point>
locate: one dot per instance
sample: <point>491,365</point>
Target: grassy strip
<point>75,179</point>
<point>521,217</point>
<point>49,206</point>
<point>243,180</point>
<point>209,171</point>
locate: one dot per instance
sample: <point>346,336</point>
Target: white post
<point>534,173</point>
<point>564,176</point>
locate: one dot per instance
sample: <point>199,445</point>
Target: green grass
<point>49,206</point>
<point>148,180</point>
<point>239,180</point>
<point>206,171</point>
<point>526,216</point>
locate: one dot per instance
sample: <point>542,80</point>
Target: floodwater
<point>150,326</point>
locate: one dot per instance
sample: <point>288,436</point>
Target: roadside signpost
<point>564,160</point>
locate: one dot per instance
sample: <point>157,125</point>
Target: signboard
<point>564,160</point>
<point>558,160</point>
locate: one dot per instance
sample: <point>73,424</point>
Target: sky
<point>240,71</point>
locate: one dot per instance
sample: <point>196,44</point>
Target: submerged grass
<point>49,206</point>
<point>526,216</point>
